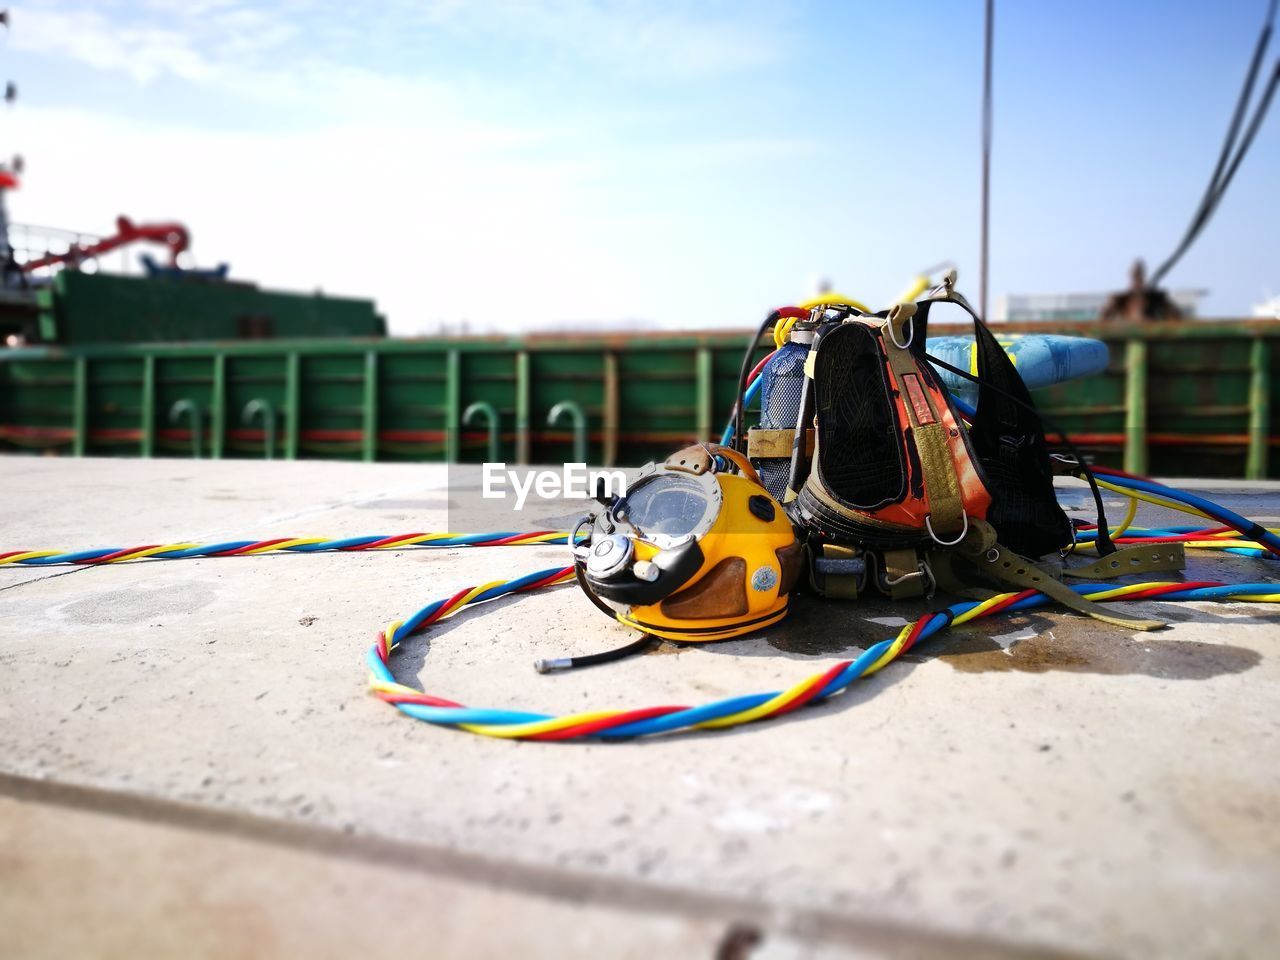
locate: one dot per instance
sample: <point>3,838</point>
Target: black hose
<point>595,659</point>
<point>737,441</point>
<point>580,570</point>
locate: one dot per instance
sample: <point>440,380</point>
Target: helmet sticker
<point>765,578</point>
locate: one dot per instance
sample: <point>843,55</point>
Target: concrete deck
<point>189,763</point>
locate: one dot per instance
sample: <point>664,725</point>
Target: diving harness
<point>890,491</point>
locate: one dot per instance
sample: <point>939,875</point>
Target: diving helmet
<point>695,550</point>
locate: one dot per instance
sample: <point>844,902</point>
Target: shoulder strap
<point>946,506</point>
<point>1009,441</point>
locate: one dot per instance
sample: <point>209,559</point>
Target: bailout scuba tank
<point>783,385</point>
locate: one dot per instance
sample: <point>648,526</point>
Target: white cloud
<point>214,40</point>
<point>439,225</point>
<point>143,53</point>
<point>439,193</point>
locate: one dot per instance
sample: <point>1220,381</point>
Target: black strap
<point>1008,438</point>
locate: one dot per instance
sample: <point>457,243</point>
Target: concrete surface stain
<point>1237,817</point>
<point>1107,651</point>
<point>139,604</point>
<point>819,628</point>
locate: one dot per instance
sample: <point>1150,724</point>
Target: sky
<point>521,164</point>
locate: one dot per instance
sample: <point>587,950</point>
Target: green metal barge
<point>1178,399</point>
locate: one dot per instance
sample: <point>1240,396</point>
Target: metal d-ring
<point>947,543</point>
<point>910,325</point>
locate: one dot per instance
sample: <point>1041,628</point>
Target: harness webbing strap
<point>903,574</point>
<point>1141,558</point>
<point>1007,439</point>
<point>941,484</point>
<point>1006,566</point>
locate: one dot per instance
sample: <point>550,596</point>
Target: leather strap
<point>942,564</point>
<point>700,458</point>
<point>695,459</point>
<point>1004,565</point>
<point>1142,558</point>
<point>764,442</point>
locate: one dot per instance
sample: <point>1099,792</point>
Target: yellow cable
<point>472,594</point>
<point>149,551</point>
<point>1127,589</point>
<point>1129,514</point>
<point>536,727</point>
<point>1152,498</point>
<point>390,632</point>
<point>981,608</point>
<point>545,537</point>
<point>30,555</point>
<point>917,286</point>
<point>1128,518</point>
<point>297,542</point>
<point>413,541</point>
<point>894,648</point>
<point>381,686</point>
<point>1229,534</point>
<point>782,330</point>
<point>770,705</point>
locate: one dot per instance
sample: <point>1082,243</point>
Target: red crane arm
<point>172,235</point>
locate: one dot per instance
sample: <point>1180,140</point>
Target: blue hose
<point>1246,527</point>
<point>752,393</point>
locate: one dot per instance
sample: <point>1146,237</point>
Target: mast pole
<point>986,160</point>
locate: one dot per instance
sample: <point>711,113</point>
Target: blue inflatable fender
<point>1042,359</point>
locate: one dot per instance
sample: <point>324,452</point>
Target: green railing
<point>1177,399</point>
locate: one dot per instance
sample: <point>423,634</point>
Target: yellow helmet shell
<point>750,560</point>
